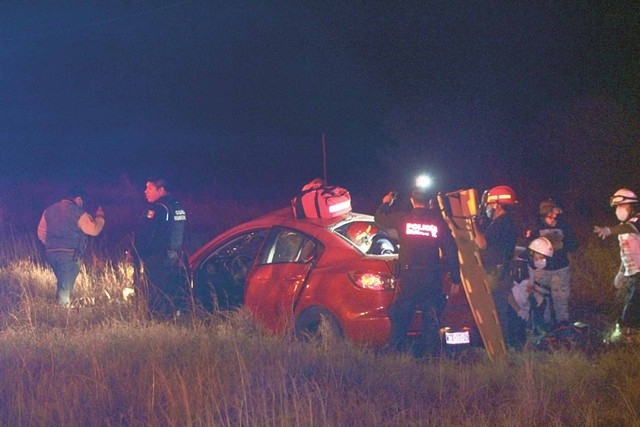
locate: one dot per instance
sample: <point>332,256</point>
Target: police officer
<point>423,235</point>
<point>158,246</point>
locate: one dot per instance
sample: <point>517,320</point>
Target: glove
<point>389,197</point>
<point>602,232</point>
<point>619,281</point>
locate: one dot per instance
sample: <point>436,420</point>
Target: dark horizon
<point>541,96</point>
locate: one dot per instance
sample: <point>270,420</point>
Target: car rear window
<point>368,237</point>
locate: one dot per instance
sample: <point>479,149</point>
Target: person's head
<point>156,188</point>
<point>540,249</point>
<point>77,194</point>
<point>420,198</point>
<point>549,212</point>
<point>499,200</point>
<point>624,201</point>
<point>362,233</point>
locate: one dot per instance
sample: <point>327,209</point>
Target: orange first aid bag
<point>317,200</point>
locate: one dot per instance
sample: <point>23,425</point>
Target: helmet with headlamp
<point>623,196</point>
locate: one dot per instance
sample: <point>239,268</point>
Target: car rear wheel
<point>317,323</point>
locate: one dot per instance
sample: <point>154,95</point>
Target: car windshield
<point>368,237</point>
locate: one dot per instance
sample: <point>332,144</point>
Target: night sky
<point>238,94</point>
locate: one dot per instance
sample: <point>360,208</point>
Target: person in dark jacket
<point>496,239</point>
<point>423,236</point>
<point>64,228</point>
<point>158,244</point>
<point>556,274</point>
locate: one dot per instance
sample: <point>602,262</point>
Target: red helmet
<point>502,194</point>
<point>361,233</point>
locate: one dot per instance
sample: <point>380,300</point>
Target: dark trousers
<point>631,312</point>
<point>423,290</point>
<point>161,284</point>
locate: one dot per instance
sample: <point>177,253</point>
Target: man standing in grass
<point>158,246</point>
<point>425,240</point>
<point>64,229</point>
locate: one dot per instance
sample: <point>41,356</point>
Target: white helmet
<point>542,245</point>
<point>623,196</point>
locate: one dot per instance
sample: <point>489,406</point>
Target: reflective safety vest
<point>630,252</point>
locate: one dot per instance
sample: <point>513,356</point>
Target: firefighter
<point>539,255</point>
<point>158,246</point>
<point>495,235</point>
<point>423,236</point>
<point>625,203</point>
<point>556,275</point>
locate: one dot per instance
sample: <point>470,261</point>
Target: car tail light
<point>373,281</point>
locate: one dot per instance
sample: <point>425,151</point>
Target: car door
<point>278,277</point>
<point>221,275</point>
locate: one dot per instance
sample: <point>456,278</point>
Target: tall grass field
<point>104,363</point>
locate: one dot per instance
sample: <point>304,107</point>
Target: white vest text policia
<point>421,234</point>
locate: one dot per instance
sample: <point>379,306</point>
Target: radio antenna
<point>324,159</point>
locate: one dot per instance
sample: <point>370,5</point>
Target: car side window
<point>288,246</point>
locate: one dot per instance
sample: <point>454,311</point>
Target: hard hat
<point>623,196</point>
<point>548,206</point>
<point>361,233</point>
<point>542,245</point>
<point>502,194</point>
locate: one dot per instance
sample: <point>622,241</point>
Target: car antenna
<point>324,160</point>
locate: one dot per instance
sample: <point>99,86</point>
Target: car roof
<point>284,218</point>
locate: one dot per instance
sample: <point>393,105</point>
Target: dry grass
<point>102,363</point>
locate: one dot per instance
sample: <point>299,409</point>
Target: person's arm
<point>91,226</point>
<point>604,232</point>
<point>480,239</point>
<point>387,217</point>
<point>619,280</point>
<point>42,230</point>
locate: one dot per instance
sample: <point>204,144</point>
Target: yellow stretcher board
<point>458,209</point>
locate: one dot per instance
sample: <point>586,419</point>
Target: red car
<point>293,273</point>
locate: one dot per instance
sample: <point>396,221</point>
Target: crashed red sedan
<point>292,274</point>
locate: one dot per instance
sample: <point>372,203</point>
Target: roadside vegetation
<point>103,363</point>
